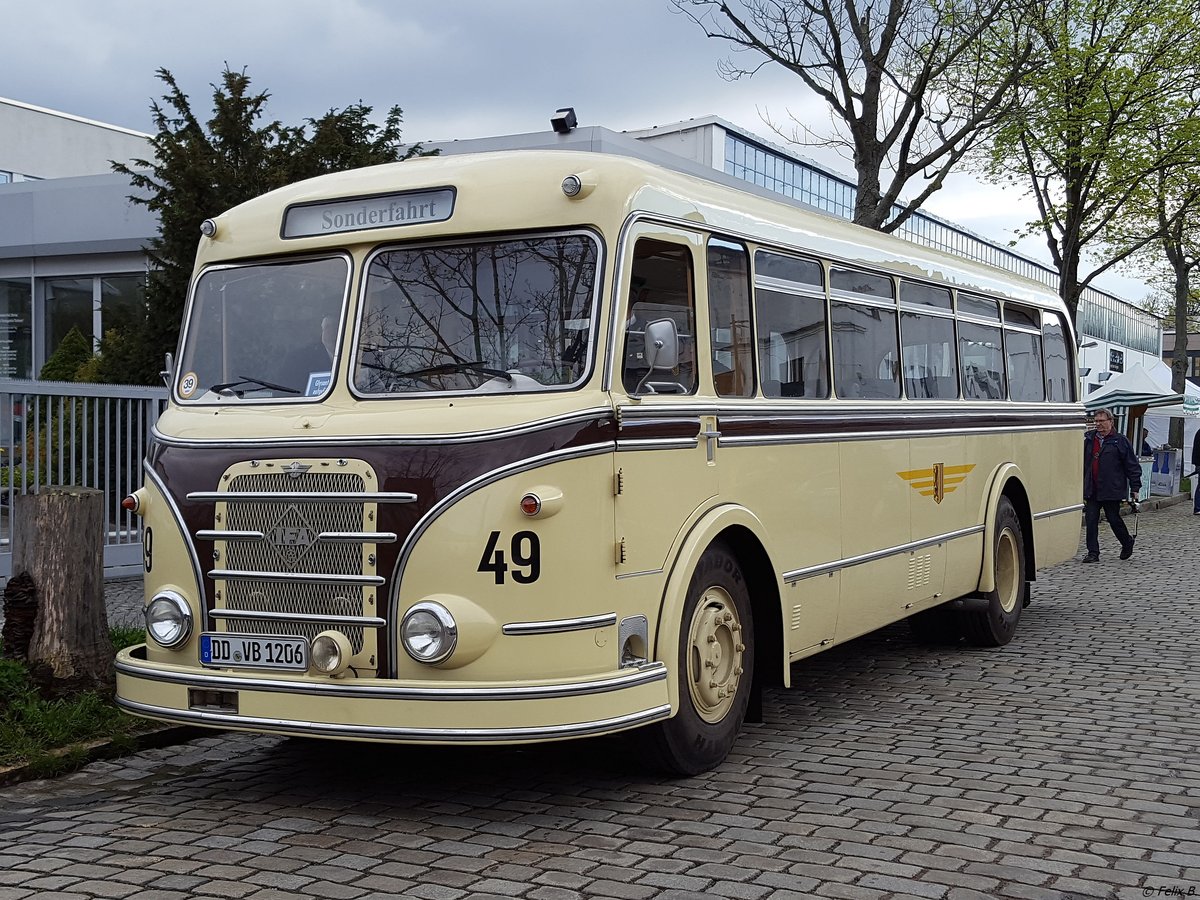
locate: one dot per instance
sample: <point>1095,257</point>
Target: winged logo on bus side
<point>938,481</point>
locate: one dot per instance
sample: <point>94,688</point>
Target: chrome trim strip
<point>802,410</point>
<point>398,440</point>
<point>333,537</point>
<point>1061,511</point>
<point>209,535</point>
<point>363,621</point>
<point>628,444</point>
<point>454,735</point>
<point>300,496</point>
<point>831,437</point>
<point>808,572</point>
<point>556,626</point>
<point>358,537</point>
<point>366,689</point>
<point>298,577</point>
<point>480,481</point>
<point>197,569</point>
<point>657,571</point>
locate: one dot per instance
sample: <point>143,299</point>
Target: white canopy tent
<point>1137,387</point>
<point>1158,419</point>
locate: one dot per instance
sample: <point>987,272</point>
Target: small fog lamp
<point>331,652</point>
<point>428,632</point>
<point>168,619</point>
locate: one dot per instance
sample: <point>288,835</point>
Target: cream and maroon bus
<point>532,445</point>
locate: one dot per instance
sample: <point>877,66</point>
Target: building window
<point>68,305</point>
<point>95,304</point>
<point>16,328</point>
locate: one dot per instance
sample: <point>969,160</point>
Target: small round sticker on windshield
<point>187,385</point>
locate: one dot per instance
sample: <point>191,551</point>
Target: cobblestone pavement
<point>1063,765</point>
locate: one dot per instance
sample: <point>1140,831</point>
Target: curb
<point>1163,502</point>
<point>104,748</point>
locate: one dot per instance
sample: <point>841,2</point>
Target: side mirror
<point>661,354</point>
<point>662,344</point>
<point>169,372</point>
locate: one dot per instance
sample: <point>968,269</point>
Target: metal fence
<point>88,435</point>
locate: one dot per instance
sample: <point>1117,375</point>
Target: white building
<point>71,242</point>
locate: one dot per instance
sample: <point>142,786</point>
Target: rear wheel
<point>715,665</point>
<point>995,625</point>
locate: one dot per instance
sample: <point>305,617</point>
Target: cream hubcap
<point>1008,578</point>
<point>716,649</point>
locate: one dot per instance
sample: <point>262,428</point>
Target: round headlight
<point>428,632</point>
<point>168,619</point>
<point>331,652</point>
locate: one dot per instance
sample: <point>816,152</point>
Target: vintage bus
<point>532,445</point>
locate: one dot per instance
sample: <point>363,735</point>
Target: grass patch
<point>50,736</point>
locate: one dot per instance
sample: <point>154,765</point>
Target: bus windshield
<point>264,331</point>
<point>496,316</point>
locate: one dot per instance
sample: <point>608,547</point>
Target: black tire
<point>715,661</point>
<point>995,625</point>
<point>936,627</point>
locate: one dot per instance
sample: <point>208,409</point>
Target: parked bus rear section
<point>534,445</point>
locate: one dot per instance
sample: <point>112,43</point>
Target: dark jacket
<point>1196,451</point>
<point>1120,471</point>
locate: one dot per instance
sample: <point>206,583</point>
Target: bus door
<point>667,456</point>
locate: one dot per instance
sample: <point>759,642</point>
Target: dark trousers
<point>1091,518</point>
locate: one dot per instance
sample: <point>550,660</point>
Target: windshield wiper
<point>257,382</point>
<point>452,367</point>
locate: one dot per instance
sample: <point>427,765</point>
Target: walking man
<point>1196,474</point>
<point>1111,473</point>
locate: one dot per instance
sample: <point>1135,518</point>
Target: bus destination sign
<point>364,213</point>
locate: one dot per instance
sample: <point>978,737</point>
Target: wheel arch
<point>743,533</point>
<point>1007,481</point>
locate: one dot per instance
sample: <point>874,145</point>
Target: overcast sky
<point>458,68</point>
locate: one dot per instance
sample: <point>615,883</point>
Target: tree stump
<point>58,539</point>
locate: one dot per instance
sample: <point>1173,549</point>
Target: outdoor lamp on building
<point>563,121</point>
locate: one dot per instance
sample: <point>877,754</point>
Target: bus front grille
<point>295,552</point>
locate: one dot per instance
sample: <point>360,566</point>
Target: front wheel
<point>715,665</point>
<point>996,623</point>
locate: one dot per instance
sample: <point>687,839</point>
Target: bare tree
<point>914,83</point>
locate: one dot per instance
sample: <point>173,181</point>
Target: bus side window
<point>865,352</point>
<point>930,367</point>
<point>791,326</point>
<point>982,361</point>
<point>1059,383</point>
<point>661,288</point>
<point>729,319</point>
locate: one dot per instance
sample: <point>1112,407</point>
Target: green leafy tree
<point>913,85</point>
<point>1169,206</point>
<point>1109,76</point>
<point>200,169</point>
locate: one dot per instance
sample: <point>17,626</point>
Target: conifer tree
<point>200,169</point>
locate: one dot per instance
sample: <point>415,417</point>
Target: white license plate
<point>254,651</point>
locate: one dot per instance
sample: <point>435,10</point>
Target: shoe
<point>1127,550</point>
<point>1091,557</point>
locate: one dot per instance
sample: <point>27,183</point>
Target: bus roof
<point>510,190</point>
